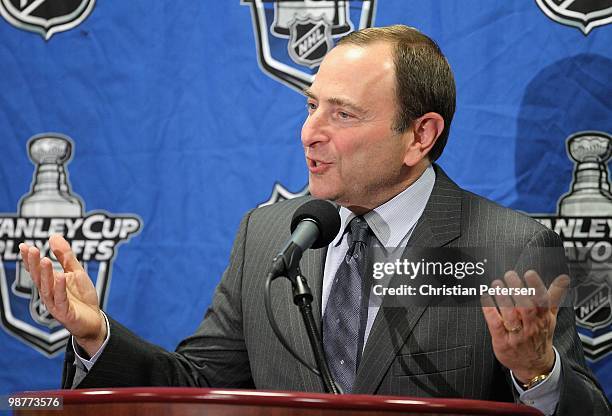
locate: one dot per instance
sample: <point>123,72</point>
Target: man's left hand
<point>522,326</point>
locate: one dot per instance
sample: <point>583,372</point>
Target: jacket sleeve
<point>215,355</point>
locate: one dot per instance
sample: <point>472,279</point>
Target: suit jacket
<point>414,351</point>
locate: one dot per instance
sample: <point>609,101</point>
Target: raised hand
<point>522,327</point>
<point>69,296</point>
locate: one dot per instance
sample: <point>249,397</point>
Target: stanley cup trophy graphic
<point>49,197</point>
<point>590,193</point>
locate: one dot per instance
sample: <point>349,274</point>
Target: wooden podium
<point>226,402</point>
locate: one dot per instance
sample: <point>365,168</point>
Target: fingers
<point>46,288</point>
<point>506,307</point>
<point>557,291</point>
<point>526,310</point>
<point>23,250</point>
<point>531,313</point>
<point>522,330</point>
<point>52,289</point>
<point>60,295</point>
<point>64,254</point>
<point>494,320</point>
<point>52,285</point>
<point>540,298</point>
<point>541,294</point>
<point>34,264</point>
<point>514,281</point>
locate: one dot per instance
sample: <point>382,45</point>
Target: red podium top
<point>185,401</point>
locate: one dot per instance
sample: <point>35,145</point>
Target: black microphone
<point>314,225</point>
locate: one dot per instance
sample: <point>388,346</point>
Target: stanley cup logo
<point>51,207</point>
<point>584,223</point>
<point>50,197</point>
<point>589,245</point>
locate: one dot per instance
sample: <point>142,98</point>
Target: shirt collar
<point>391,221</point>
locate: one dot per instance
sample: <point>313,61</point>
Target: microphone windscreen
<point>324,214</point>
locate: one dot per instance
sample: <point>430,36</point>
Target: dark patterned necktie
<point>341,319</point>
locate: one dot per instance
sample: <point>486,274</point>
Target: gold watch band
<point>535,381</point>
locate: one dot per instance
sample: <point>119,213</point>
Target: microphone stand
<point>302,296</point>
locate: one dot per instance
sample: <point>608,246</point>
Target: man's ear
<point>425,131</point>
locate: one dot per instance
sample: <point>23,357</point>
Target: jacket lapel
<point>439,225</point>
<point>313,265</point>
<point>289,318</point>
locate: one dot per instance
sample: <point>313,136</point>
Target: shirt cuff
<point>89,363</point>
<point>544,396</point>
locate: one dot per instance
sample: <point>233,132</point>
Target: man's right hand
<point>69,296</point>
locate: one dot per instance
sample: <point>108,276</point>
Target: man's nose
<point>314,129</point>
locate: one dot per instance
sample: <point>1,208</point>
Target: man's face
<point>354,157</point>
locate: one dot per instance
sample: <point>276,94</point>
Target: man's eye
<point>343,115</point>
<point>311,107</point>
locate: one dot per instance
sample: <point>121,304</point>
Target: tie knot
<point>359,231</point>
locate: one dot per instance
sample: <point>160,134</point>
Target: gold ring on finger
<point>514,329</point>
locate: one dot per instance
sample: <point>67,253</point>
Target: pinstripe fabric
<point>414,351</point>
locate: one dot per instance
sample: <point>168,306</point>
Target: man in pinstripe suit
<point>379,114</point>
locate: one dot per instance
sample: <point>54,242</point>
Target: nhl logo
<point>309,41</point>
<point>46,17</point>
<point>583,14</point>
<point>594,307</point>
<point>293,36</point>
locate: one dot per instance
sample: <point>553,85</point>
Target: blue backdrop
<point>145,130</point>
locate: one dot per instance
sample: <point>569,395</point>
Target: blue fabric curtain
<point>144,131</point>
